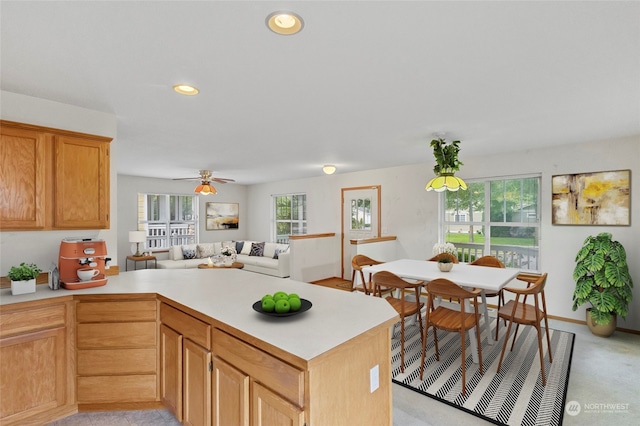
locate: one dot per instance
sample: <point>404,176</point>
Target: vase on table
<point>228,260</point>
<point>445,267</point>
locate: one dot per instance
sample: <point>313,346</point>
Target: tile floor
<point>603,371</point>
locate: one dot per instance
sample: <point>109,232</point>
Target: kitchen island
<point>329,365</point>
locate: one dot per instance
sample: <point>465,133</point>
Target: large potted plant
<point>23,278</point>
<point>602,280</point>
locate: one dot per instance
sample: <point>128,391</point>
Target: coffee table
<point>236,265</point>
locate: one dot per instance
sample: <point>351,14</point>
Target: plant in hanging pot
<point>602,280</point>
<point>23,278</point>
<point>447,163</point>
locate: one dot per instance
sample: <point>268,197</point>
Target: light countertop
<point>227,295</point>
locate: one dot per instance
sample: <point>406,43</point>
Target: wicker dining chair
<point>357,263</point>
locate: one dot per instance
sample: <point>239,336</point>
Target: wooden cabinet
<point>185,353</point>
<point>52,179</point>
<point>37,382</point>
<point>117,358</point>
<point>254,387</point>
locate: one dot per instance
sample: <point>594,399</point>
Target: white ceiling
<point>365,85</point>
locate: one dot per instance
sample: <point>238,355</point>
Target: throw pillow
<point>206,250</point>
<point>188,253</point>
<point>280,250</point>
<point>257,249</point>
<point>246,248</point>
<point>239,245</point>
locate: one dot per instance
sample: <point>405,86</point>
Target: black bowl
<point>305,306</point>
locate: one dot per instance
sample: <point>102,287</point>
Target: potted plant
<point>447,163</point>
<point>23,278</point>
<point>229,255</point>
<point>445,264</point>
<point>602,280</point>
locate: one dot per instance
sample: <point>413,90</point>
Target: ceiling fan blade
<point>222,180</point>
<point>189,178</point>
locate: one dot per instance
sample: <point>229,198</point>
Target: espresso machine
<point>77,257</point>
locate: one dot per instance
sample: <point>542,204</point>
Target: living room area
<point>271,113</point>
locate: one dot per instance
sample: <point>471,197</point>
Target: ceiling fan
<point>205,179</point>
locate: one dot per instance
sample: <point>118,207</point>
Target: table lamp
<point>137,237</point>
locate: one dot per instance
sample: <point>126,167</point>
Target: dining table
<point>465,275</point>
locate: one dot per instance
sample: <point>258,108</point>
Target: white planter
<point>22,287</point>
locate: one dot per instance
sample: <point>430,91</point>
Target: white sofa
<point>180,257</point>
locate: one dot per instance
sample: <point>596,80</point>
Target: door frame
<point>342,224</point>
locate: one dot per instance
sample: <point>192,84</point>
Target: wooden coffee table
<point>236,265</point>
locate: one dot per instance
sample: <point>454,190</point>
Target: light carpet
<point>514,396</point>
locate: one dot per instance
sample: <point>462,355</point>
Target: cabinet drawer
<point>116,311</point>
<point>102,389</point>
<point>97,362</point>
<point>117,335</point>
<point>32,319</point>
<point>262,367</point>
<point>191,328</point>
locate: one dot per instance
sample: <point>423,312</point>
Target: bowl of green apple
<point>281,304</point>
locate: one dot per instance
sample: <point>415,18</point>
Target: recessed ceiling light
<point>285,23</point>
<point>186,89</point>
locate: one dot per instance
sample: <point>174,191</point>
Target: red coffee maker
<point>79,253</point>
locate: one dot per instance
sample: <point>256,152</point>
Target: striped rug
<point>515,396</point>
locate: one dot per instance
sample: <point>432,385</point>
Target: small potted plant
<point>23,278</point>
<point>602,280</point>
<point>445,264</point>
<point>229,255</point>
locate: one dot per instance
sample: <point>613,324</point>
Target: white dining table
<point>463,274</point>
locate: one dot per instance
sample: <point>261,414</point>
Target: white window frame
<point>302,222</point>
<point>164,233</point>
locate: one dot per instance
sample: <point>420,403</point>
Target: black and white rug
<point>515,396</point>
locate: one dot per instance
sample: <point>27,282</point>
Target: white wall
<point>41,247</point>
<point>130,186</point>
<point>411,214</point>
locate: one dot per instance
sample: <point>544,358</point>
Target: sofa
<point>257,256</point>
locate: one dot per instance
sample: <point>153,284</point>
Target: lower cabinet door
<point>196,384</point>
<point>230,395</point>
<point>171,370</point>
<point>33,371</point>
<point>270,409</point>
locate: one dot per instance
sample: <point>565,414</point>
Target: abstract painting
<point>599,198</point>
<point>222,216</point>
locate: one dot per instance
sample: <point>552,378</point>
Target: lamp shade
<point>137,236</point>
<point>446,181</point>
<point>205,189</point>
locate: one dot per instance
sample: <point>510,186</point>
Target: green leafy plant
<point>602,278</point>
<point>446,155</point>
<point>24,272</point>
<point>445,259</point>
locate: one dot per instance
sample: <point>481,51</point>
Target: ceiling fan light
<point>205,189</point>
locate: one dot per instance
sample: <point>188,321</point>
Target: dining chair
<point>357,263</point>
<point>453,320</point>
<point>437,257</point>
<point>492,262</point>
<point>519,312</point>
<point>403,307</point>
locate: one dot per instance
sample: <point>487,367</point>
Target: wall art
<point>598,198</point>
<point>222,216</point>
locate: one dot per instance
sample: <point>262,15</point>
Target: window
<point>498,217</point>
<point>168,220</point>
<point>290,216</point>
<point>361,214</point>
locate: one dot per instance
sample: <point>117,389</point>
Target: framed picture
<point>599,198</point>
<point>222,216</point>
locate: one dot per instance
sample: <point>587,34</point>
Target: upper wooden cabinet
<point>52,179</point>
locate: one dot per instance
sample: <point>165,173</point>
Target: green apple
<point>268,305</point>
<point>282,306</point>
<point>293,295</point>
<point>295,303</point>
<point>280,296</point>
<point>266,296</point>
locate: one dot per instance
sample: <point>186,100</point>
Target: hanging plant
<point>446,155</point>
